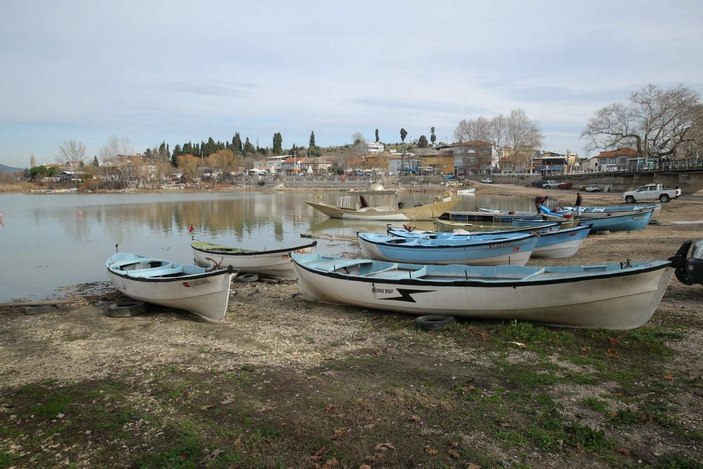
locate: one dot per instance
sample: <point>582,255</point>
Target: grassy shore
<point>287,383</point>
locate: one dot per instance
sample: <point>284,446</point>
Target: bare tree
<point>522,134</point>
<point>516,131</point>
<point>72,153</point>
<point>657,123</point>
<point>115,146</point>
<point>473,130</point>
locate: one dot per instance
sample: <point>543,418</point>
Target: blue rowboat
<point>614,222</point>
<point>477,249</point>
<point>551,244</point>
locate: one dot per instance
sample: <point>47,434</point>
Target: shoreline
<point>286,382</point>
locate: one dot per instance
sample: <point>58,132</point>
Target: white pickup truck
<point>651,192</point>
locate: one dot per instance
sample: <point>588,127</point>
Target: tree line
<point>657,123</point>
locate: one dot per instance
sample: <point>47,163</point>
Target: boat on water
<point>273,263</point>
<point>616,222</point>
<point>356,207</point>
<point>466,192</point>
<point>614,296</point>
<point>552,243</point>
<point>475,249</point>
<point>192,288</point>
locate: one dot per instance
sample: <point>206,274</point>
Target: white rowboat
<point>188,287</point>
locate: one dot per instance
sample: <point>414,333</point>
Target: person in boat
<point>577,205</point>
<point>401,205</point>
<point>539,200</point>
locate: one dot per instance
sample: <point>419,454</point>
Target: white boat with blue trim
<point>188,287</point>
<point>609,296</point>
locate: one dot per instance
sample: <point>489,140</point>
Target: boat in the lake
<point>609,296</point>
<point>273,263</point>
<point>166,283</point>
<point>478,249</point>
<point>552,243</point>
<point>356,206</point>
<point>466,192</point>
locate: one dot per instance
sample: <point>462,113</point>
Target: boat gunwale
<point>249,252</point>
<point>493,283</point>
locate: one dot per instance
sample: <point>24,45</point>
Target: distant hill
<point>10,169</point>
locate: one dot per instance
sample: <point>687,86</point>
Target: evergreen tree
<point>433,137</point>
<point>248,147</point>
<point>95,161</point>
<point>277,144</point>
<point>422,142</point>
<point>237,144</point>
<point>377,136</point>
<point>403,134</point>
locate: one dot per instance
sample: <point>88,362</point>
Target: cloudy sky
<point>179,71</point>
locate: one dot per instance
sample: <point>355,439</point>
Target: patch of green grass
<point>587,438</point>
<point>8,459</point>
<point>596,404</point>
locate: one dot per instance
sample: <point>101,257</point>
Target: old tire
<point>247,278</point>
<point>434,322</point>
<point>630,199</point>
<point>664,198</point>
<point>126,309</point>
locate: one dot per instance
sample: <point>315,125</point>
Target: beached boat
<point>616,222</point>
<point>604,210</point>
<point>162,282</point>
<point>510,248</point>
<point>486,216</point>
<point>268,262</point>
<point>609,296</point>
<point>552,243</point>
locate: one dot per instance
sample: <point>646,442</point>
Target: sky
<point>182,70</point>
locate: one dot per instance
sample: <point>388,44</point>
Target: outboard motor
<point>681,262</point>
<point>693,267</point>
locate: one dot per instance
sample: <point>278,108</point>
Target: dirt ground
<point>270,327</point>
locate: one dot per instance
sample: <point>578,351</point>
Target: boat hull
<point>471,250</point>
<point>274,263</point>
<point>422,213</point>
<point>619,300</point>
<point>205,294</point>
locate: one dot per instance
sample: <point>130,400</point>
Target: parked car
<point>551,184</point>
<point>593,188</point>
<point>538,183</point>
<point>652,191</point>
<point>487,181</point>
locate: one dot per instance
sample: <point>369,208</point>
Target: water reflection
<point>64,239</point>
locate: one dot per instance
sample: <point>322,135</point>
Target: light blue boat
<point>551,244</point>
<point>614,222</point>
<point>476,249</point>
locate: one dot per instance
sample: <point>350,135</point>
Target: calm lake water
<point>50,241</point>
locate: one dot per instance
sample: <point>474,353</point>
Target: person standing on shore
<point>578,204</point>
